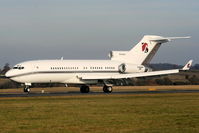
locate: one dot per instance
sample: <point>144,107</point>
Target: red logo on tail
<point>145,47</point>
<point>188,65</point>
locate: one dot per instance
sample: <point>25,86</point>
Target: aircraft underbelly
<point>68,78</point>
<point>43,78</point>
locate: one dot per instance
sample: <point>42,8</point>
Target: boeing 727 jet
<point>122,65</point>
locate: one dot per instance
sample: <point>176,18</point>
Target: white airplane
<point>122,65</point>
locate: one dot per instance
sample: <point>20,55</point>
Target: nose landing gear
<point>26,89</point>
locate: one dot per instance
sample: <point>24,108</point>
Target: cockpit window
<point>21,68</point>
<point>18,67</point>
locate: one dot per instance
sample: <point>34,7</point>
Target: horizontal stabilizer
<point>185,37</point>
<point>161,39</point>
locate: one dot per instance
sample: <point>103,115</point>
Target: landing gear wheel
<point>27,89</point>
<point>84,89</point>
<point>107,89</point>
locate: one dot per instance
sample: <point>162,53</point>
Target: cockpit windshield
<point>18,67</point>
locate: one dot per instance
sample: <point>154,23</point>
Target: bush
<point>9,84</point>
<point>164,81</point>
<point>194,80</point>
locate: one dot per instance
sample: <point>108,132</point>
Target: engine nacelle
<point>117,54</point>
<point>130,68</point>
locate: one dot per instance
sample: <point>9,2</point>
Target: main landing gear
<point>86,89</point>
<point>107,89</point>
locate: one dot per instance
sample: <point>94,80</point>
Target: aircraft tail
<point>143,52</point>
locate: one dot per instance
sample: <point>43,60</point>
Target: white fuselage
<point>68,71</point>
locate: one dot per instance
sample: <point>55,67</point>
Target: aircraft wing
<point>135,75</point>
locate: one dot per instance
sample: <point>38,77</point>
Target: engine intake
<point>130,68</point>
<point>117,54</point>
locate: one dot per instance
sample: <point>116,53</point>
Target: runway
<point>75,93</point>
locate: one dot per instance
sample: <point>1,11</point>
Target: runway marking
<point>76,93</point>
<point>152,89</point>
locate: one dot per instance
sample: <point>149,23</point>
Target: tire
<point>107,89</point>
<point>84,89</point>
<point>24,90</point>
<point>27,89</point>
<point>104,89</point>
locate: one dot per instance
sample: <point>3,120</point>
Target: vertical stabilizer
<point>143,52</point>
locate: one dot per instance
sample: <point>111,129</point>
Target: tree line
<point>189,78</point>
<point>4,69</point>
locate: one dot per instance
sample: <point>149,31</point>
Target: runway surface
<point>75,93</point>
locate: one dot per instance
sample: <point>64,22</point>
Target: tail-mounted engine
<point>117,54</point>
<point>130,68</point>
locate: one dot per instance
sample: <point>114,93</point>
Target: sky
<point>90,29</point>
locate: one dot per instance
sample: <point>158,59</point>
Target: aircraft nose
<point>8,74</point>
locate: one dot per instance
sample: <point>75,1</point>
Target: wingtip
<point>187,37</point>
<point>188,65</point>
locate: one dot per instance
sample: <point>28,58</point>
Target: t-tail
<point>143,52</point>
